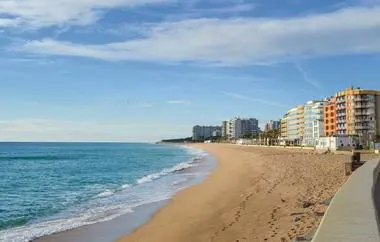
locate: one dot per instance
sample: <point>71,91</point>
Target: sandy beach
<point>255,194</point>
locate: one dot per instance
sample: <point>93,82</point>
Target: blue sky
<point>143,70</point>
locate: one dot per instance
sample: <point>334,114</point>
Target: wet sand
<point>255,194</point>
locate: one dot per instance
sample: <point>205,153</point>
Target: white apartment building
<point>206,132</point>
<point>237,127</point>
<point>313,122</point>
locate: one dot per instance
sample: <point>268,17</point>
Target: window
<point>331,108</point>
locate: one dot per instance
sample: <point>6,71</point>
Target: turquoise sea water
<point>51,187</point>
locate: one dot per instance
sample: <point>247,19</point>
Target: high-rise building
<point>224,128</point>
<point>354,112</point>
<point>237,127</point>
<point>358,112</point>
<point>303,125</point>
<point>313,122</point>
<point>205,132</point>
<point>284,127</point>
<point>330,117</point>
<point>295,124</point>
<point>272,125</point>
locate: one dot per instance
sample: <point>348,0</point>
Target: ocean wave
<point>87,216</point>
<point>125,186</point>
<point>30,232</point>
<point>179,182</point>
<point>155,176</point>
<point>196,152</point>
<point>106,193</point>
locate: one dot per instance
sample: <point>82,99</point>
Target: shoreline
<point>124,224</point>
<point>253,194</point>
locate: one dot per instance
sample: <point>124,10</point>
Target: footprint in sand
<point>274,229</point>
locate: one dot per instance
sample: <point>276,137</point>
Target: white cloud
<point>256,100</point>
<point>178,102</point>
<point>45,13</point>
<point>4,22</point>
<point>236,41</point>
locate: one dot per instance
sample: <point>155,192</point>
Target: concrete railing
<point>353,214</point>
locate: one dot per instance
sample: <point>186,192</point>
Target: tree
<point>247,135</point>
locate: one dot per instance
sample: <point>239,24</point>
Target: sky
<point>144,70</point>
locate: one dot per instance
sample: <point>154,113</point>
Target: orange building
<point>330,121</point>
<point>358,112</point>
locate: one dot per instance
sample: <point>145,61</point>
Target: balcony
<point>361,98</point>
<point>340,100</point>
<point>343,114</point>
<point>341,121</point>
<point>364,113</point>
<point>362,127</point>
<point>361,120</point>
<point>364,105</point>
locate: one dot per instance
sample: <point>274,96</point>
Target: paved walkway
<point>352,215</point>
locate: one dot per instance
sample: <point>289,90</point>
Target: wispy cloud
<point>231,9</point>
<point>257,100</point>
<point>306,77</point>
<point>178,102</point>
<point>46,13</point>
<point>145,105</point>
<point>235,41</point>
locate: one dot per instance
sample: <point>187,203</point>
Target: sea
<point>46,188</point>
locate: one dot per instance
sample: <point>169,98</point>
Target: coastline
<point>254,194</point>
<point>187,174</point>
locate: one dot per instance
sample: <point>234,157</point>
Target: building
<point>358,112</point>
<point>313,122</point>
<point>334,143</point>
<point>352,112</point>
<point>237,127</point>
<point>294,125</point>
<point>224,128</point>
<point>330,117</point>
<point>272,125</point>
<point>304,124</point>
<point>217,133</point>
<point>284,127</point>
<point>201,133</point>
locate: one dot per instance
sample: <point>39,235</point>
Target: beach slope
<point>254,194</point>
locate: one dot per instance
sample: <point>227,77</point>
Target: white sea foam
<point>125,186</point>
<point>106,193</point>
<point>179,182</point>
<point>29,232</point>
<point>155,176</point>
